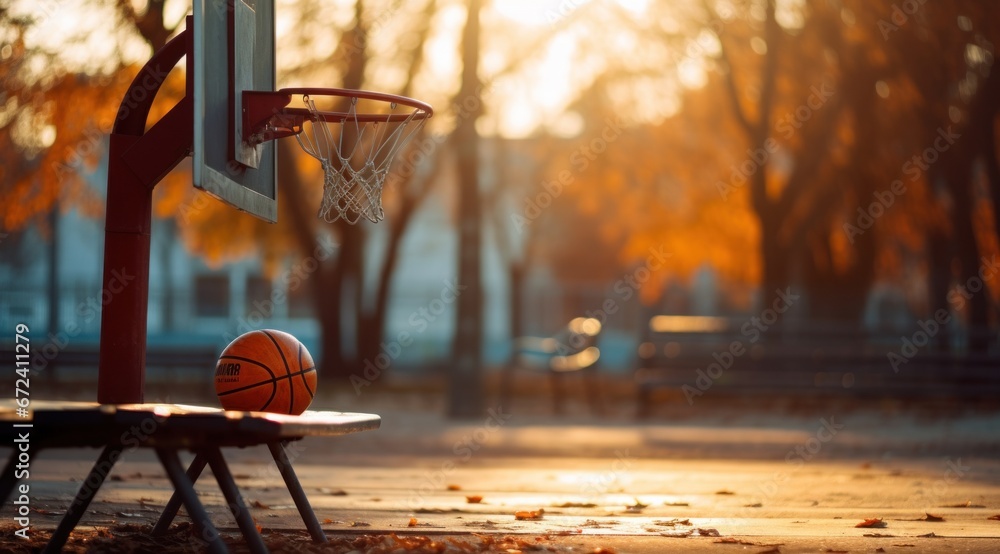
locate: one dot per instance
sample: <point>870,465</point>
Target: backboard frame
<point>234,50</point>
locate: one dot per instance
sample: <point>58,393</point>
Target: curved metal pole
<point>137,160</point>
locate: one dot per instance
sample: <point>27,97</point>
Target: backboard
<point>233,52</point>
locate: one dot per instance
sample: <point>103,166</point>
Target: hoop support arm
<point>266,115</point>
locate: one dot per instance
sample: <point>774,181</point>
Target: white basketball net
<point>356,162</point>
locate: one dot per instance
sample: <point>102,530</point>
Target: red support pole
<point>126,281</point>
<point>137,160</point>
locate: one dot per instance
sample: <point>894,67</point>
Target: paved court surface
<point>721,480</point>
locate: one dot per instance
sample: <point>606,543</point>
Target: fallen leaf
<point>774,550</point>
<point>880,549</point>
<point>677,534</point>
<point>360,524</point>
<point>878,535</point>
<point>677,504</point>
<point>454,487</point>
<point>932,517</point>
<point>724,492</point>
<point>929,536</point>
<point>873,522</point>
<point>734,540</point>
<point>996,517</point>
<point>575,505</point>
<point>708,532</point>
<point>327,521</point>
<point>672,522</point>
<point>529,514</point>
<point>474,499</point>
<point>259,504</point>
<point>754,505</point>
<point>966,504</point>
<point>413,522</point>
<point>639,504</point>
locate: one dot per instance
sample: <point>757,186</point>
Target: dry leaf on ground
<point>473,499</point>
<point>996,517</point>
<point>529,514</point>
<point>672,522</point>
<point>709,532</point>
<point>873,522</point>
<point>932,517</point>
<point>259,504</point>
<point>454,487</point>
<point>724,492</point>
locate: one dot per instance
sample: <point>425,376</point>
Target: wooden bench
<point>168,429</point>
<point>571,351</point>
<point>696,354</point>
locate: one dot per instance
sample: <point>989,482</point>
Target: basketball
<point>266,371</point>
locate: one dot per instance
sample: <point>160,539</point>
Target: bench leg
<point>170,510</point>
<point>235,500</point>
<point>593,390</point>
<point>184,487</point>
<point>643,399</point>
<point>295,489</point>
<point>88,490</point>
<point>557,393</point>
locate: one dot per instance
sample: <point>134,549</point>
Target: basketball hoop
<point>356,156</point>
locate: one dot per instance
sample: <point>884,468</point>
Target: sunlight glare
<point>552,12</point>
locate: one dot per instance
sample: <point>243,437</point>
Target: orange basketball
<point>266,371</point>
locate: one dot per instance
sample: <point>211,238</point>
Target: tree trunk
<point>465,397</point>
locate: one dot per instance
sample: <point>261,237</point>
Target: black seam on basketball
<point>288,371</point>
<point>273,381</point>
<point>303,373</point>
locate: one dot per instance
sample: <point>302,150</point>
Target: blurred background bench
<point>573,350</point>
<point>697,354</point>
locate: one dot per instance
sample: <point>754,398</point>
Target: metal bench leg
<point>295,489</point>
<point>184,487</point>
<point>236,505</point>
<point>88,490</point>
<point>555,380</point>
<point>170,510</point>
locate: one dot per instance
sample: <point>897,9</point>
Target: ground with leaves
<point>889,480</point>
